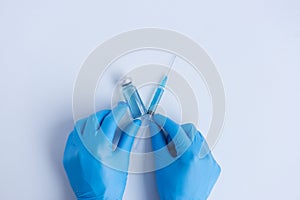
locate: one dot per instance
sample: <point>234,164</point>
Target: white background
<point>254,44</point>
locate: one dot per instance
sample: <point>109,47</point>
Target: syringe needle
<point>171,63</point>
<point>160,90</point>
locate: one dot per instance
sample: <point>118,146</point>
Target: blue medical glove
<point>90,178</point>
<point>188,176</point>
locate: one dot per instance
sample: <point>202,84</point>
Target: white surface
<point>255,45</point>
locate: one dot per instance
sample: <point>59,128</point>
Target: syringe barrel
<point>155,100</point>
<point>133,98</point>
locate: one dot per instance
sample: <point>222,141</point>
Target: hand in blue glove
<point>90,178</point>
<point>188,176</point>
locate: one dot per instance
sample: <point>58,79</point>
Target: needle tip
<point>164,81</point>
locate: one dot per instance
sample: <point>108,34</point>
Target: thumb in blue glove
<point>188,176</point>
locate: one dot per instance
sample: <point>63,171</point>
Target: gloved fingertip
<point>137,122</point>
<point>190,130</point>
<point>159,119</point>
<point>122,104</point>
<point>133,127</point>
<point>102,114</point>
<point>80,124</point>
<point>187,127</point>
<point>119,111</point>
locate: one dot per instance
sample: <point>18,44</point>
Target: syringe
<point>160,90</point>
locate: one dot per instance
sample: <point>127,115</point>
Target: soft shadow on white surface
<point>143,185</point>
<point>56,146</point>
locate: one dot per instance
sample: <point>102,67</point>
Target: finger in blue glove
<point>188,176</point>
